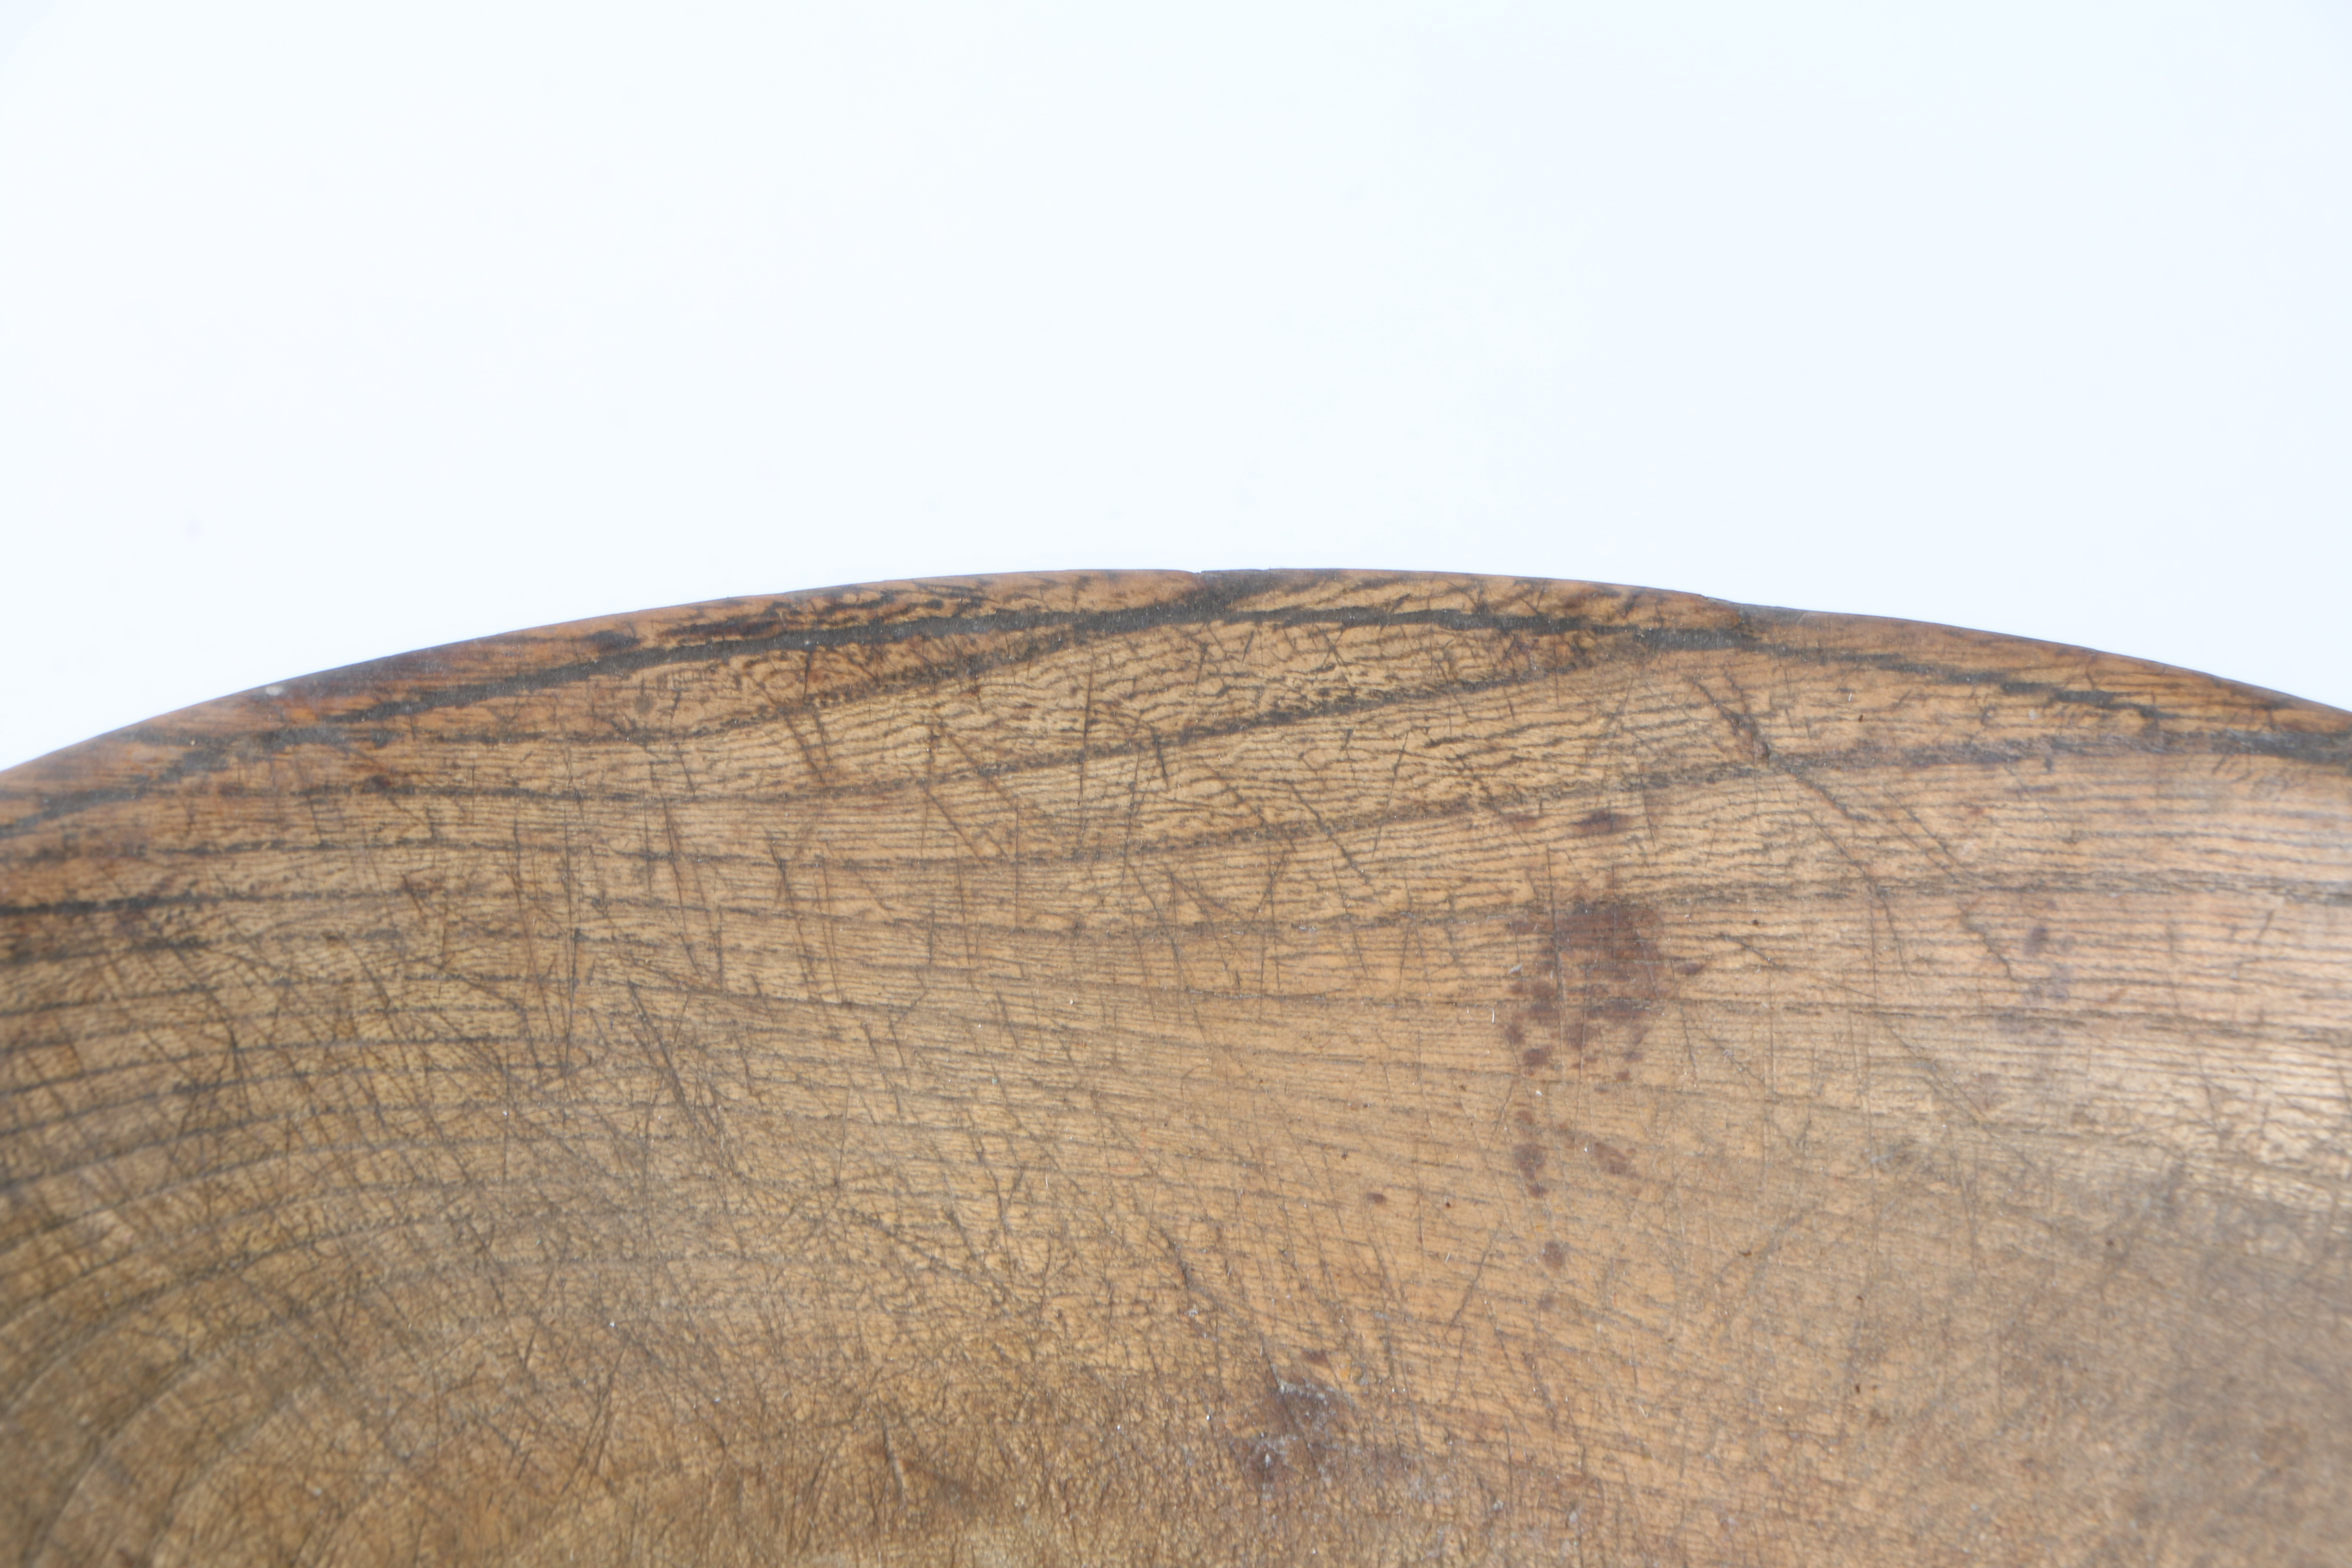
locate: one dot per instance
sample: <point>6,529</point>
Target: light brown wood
<point>1146,1069</point>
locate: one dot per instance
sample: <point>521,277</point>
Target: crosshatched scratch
<point>1254,1068</point>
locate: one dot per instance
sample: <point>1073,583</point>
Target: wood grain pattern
<point>1154,1069</point>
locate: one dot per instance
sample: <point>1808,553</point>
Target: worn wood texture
<point>1152,1069</point>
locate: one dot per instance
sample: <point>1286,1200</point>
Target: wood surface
<point>1139,1068</point>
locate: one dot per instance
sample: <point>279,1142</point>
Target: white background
<point>332,328</point>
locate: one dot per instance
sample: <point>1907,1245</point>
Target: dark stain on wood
<point>1608,1156</point>
<point>1596,976</point>
<point>1530,1159</point>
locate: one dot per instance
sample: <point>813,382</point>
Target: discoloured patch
<point>1594,979</point>
<point>1608,1156</point>
<point>1530,1159</point>
<point>1305,1435</point>
<point>2282,1445</point>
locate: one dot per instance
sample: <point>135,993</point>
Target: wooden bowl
<point>1114,1068</point>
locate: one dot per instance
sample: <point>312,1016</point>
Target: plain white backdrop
<point>334,327</point>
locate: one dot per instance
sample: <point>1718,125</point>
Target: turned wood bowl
<point>1123,1069</point>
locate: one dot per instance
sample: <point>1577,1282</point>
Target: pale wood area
<point>1146,1068</point>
